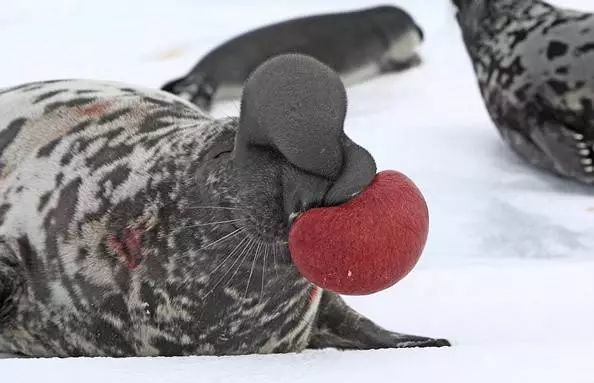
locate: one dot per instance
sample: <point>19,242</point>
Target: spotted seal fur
<point>535,68</point>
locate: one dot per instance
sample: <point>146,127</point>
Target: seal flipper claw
<point>339,326</point>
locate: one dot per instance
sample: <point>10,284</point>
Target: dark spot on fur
<point>149,296</point>
<point>56,224</point>
<point>562,70</point>
<point>8,135</point>
<point>556,49</point>
<point>108,155</point>
<point>116,305</point>
<point>80,127</point>
<point>3,209</point>
<point>518,37</point>
<point>86,91</point>
<point>48,148</point>
<point>43,200</point>
<point>75,149</point>
<point>559,87</point>
<point>122,276</point>
<point>155,121</point>
<point>28,255</point>
<point>82,254</point>
<point>110,117</point>
<point>59,179</point>
<point>560,20</point>
<point>116,177</point>
<point>521,92</point>
<point>69,104</point>
<point>156,101</point>
<point>48,95</point>
<point>33,267</point>
<point>111,338</point>
<point>585,49</point>
<point>58,220</point>
<point>22,87</point>
<point>168,348</point>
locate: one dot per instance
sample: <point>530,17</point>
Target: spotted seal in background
<point>535,69</point>
<point>132,224</point>
<point>358,45</point>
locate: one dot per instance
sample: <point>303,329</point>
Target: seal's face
<point>291,149</point>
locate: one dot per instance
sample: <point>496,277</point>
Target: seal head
<point>292,118</point>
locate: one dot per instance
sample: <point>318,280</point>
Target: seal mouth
<point>294,216</point>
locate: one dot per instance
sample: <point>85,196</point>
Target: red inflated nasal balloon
<point>366,244</point>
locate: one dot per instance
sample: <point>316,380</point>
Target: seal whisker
<point>213,223</point>
<point>274,252</point>
<point>244,250</point>
<point>216,207</point>
<point>263,272</point>
<point>224,238</point>
<point>254,242</point>
<point>256,256</point>
<point>229,255</point>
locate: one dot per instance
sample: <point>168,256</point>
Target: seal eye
<point>217,155</point>
<point>218,149</point>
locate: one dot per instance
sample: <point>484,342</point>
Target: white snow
<point>508,273</point>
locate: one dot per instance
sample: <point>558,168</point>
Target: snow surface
<point>508,273</point>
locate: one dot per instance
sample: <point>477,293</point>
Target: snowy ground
<point>508,274</point>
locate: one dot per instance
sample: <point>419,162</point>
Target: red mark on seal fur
<point>128,247</point>
<point>96,109</point>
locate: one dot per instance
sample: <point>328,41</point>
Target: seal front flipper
<point>195,88</point>
<point>339,326</point>
<point>11,282</point>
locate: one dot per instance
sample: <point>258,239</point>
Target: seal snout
<point>294,107</point>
